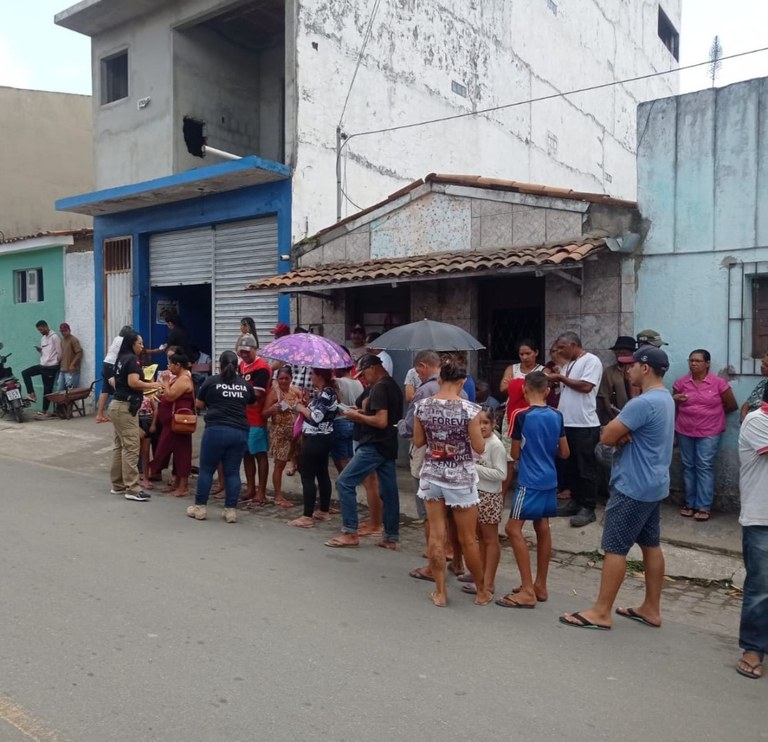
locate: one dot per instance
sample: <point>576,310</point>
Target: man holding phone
<point>48,368</point>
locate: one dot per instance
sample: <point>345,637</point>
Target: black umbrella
<point>427,335</point>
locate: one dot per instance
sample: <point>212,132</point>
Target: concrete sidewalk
<point>708,551</point>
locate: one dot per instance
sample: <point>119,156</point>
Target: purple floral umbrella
<point>305,349</point>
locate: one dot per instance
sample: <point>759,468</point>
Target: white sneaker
<point>230,515</point>
<point>198,512</point>
<point>138,496</point>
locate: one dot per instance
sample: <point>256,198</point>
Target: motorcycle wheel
<point>18,413</point>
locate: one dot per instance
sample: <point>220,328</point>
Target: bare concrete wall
<point>46,155</point>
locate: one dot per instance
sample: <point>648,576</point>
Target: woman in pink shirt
<point>702,401</point>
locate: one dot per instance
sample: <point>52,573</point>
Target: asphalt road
<point>129,621</point>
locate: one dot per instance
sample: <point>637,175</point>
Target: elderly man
<point>71,359</point>
<point>376,452</point>
<point>579,382</point>
<point>257,372</point>
<point>753,486</point>
<point>48,368</point>
<point>615,390</point>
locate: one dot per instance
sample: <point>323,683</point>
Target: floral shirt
<point>755,399</point>
<point>322,413</point>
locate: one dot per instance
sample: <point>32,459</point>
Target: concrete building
<point>702,274</point>
<point>46,256</point>
<point>270,78</point>
<point>504,260</point>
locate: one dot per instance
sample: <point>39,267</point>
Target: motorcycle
<point>11,399</point>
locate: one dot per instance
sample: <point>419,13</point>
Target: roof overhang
<point>90,17</point>
<point>203,181</point>
<point>535,260</point>
<point>37,243</point>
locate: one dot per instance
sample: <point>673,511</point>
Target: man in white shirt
<point>48,368</point>
<point>386,359</point>
<point>579,384</point>
<point>753,486</point>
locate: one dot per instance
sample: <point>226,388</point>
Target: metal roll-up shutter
<point>183,258</point>
<point>243,252</point>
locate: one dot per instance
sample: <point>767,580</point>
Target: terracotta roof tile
<point>433,264</point>
<point>82,232</point>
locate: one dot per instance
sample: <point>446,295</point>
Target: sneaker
<point>198,512</point>
<point>568,508</point>
<point>583,517</point>
<point>117,492</point>
<point>138,496</point>
<point>230,515</point>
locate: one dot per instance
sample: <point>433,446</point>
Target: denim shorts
<point>629,522</point>
<point>258,440</point>
<point>454,497</point>
<point>341,443</point>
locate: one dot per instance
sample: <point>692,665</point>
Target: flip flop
<point>285,504</point>
<point>470,588</point>
<point>435,603</point>
<point>337,543</point>
<point>508,601</point>
<point>391,545</point>
<point>702,516</point>
<point>687,512</point>
<point>633,615</point>
<point>296,524</point>
<point>466,577</point>
<point>751,670</point>
<point>485,602</point>
<point>418,574</point>
<point>516,590</point>
<point>582,623</point>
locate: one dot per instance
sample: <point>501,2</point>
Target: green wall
<point>17,321</point>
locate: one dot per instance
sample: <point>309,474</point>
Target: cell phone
<point>344,407</point>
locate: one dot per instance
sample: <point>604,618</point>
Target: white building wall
<point>503,51</point>
<point>79,307</point>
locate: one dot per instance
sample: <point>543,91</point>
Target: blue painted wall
<point>703,185</point>
<point>245,203</point>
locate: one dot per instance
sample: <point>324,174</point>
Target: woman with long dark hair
<point>247,327</point>
<point>450,428</point>
<point>317,434</point>
<point>129,388</point>
<point>224,397</point>
<point>177,394</point>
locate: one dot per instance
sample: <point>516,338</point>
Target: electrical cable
<point>366,37</point>
<point>539,99</point>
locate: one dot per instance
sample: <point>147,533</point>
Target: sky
<point>35,53</point>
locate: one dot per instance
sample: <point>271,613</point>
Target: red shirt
<point>258,374</point>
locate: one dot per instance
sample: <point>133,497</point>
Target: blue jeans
<point>753,630</point>
<point>67,380</point>
<point>226,445</point>
<point>698,456</point>
<point>367,459</point>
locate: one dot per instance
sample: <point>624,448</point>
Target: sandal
<point>687,512</point>
<point>701,516</point>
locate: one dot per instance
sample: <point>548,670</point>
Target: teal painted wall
<point>17,321</point>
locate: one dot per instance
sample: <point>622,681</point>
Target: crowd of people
<point>568,428</point>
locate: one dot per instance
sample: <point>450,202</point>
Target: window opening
<point>114,78</point>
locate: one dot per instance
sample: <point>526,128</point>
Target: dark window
<point>669,35</point>
<point>114,77</point>
<point>759,316</point>
<point>28,286</point>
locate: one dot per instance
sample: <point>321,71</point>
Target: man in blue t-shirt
<point>643,432</point>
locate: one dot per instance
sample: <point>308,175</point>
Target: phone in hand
<point>344,407</point>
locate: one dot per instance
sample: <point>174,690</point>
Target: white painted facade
<point>79,307</point>
<point>283,101</point>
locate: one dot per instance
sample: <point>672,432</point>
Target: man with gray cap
<point>650,337</point>
<point>643,433</point>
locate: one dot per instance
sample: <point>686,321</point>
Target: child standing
<point>491,470</point>
<point>538,437</point>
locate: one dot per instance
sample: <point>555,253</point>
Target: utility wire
<point>545,97</point>
<point>366,37</point>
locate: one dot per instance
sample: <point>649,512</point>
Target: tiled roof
<point>433,264</point>
<point>83,232</point>
<point>493,184</point>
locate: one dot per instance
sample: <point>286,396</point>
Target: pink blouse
<point>703,414</point>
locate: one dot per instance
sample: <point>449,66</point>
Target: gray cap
<point>248,341</point>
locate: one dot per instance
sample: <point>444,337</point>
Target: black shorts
<point>107,372</point>
<point>628,522</point>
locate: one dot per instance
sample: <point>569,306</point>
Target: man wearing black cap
<point>615,390</point>
<point>376,452</point>
<point>643,432</point>
<point>356,343</point>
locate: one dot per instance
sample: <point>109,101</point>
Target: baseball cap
<point>656,358</point>
<point>281,329</point>
<point>624,342</point>
<point>367,361</point>
<point>248,341</point>
<point>357,326</point>
<point>65,326</point>
<point>650,337</point>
